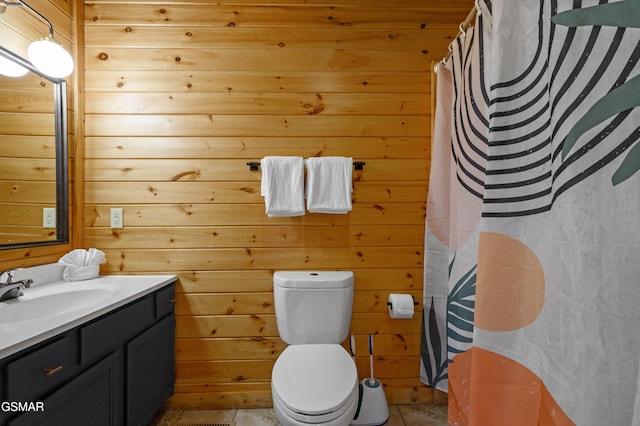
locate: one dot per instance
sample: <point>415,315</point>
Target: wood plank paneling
<point>12,234</point>
<point>196,326</point>
<point>221,281</point>
<point>29,169</point>
<point>229,192</point>
<point>241,81</point>
<point>412,38</point>
<point>180,95</point>
<point>256,304</point>
<point>24,146</point>
<point>434,7</point>
<point>218,14</point>
<point>27,124</point>
<point>232,147</point>
<point>262,258</point>
<point>26,193</point>
<point>213,170</point>
<point>257,125</point>
<point>252,214</point>
<point>173,59</point>
<point>251,103</point>
<point>255,236</point>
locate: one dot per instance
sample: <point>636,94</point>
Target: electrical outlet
<point>117,218</point>
<point>48,217</point>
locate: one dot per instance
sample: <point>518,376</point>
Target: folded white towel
<point>82,264</point>
<point>329,184</point>
<point>283,186</point>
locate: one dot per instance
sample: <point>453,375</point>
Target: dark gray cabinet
<point>117,369</point>
<point>146,355</point>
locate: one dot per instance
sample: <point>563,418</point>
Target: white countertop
<point>25,331</point>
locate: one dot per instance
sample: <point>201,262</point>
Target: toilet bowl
<point>315,384</point>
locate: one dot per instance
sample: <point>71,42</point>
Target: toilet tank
<point>313,307</point>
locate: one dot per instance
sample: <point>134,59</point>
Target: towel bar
<point>254,165</point>
<point>359,165</point>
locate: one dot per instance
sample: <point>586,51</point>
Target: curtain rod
<point>463,29</point>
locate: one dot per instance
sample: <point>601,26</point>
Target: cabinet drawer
<point>165,301</point>
<point>101,336</point>
<point>32,376</point>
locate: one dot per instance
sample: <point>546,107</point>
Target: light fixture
<point>11,69</point>
<point>50,57</point>
<point>47,55</point>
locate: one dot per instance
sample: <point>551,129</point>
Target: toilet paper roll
<point>400,306</point>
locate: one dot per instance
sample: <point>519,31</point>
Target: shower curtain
<point>532,249</point>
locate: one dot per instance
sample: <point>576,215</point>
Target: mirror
<point>34,186</point>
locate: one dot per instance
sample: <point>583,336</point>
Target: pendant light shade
<point>50,57</point>
<point>11,69</point>
<point>46,55</point>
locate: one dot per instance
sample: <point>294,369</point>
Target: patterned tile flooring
<point>399,415</point>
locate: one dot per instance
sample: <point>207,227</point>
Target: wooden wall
<point>180,95</point>
<point>27,159</point>
<point>28,150</point>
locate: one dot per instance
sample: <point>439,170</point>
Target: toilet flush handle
<point>352,346</point>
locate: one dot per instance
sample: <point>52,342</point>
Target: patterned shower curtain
<point>532,251</point>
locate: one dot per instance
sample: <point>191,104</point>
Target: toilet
<point>314,380</point>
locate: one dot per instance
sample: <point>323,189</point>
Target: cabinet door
<point>150,371</point>
<point>89,399</point>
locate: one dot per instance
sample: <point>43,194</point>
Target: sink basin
<point>38,303</point>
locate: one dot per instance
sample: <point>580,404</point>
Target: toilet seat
<point>342,416</point>
<point>315,383</point>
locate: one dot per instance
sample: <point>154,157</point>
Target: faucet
<point>11,289</point>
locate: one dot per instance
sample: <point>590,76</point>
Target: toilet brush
<point>372,380</point>
<point>373,408</point>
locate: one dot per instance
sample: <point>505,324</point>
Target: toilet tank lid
<point>313,279</point>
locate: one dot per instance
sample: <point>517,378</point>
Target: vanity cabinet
<point>117,369</point>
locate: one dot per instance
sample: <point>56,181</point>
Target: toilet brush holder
<point>373,404</point>
<point>372,407</point>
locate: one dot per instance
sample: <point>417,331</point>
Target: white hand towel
<point>283,186</point>
<point>81,264</point>
<point>329,184</point>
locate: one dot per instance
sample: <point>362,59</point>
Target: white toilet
<point>314,380</point>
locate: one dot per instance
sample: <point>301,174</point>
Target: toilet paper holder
<point>390,305</point>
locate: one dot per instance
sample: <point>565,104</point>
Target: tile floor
<point>399,415</point>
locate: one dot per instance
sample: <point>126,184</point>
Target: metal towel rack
<point>254,165</point>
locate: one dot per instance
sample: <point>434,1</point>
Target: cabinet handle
<point>171,300</point>
<point>51,371</point>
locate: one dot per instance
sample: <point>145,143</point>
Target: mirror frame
<point>62,156</point>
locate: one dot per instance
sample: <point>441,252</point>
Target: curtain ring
<point>462,29</point>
